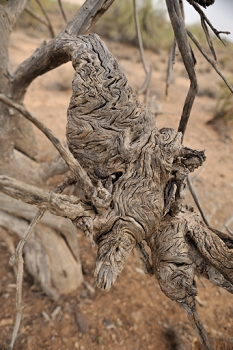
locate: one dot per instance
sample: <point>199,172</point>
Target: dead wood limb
<point>175,270</point>
<point>177,22</point>
<point>62,11</point>
<point>57,204</point>
<point>26,211</point>
<point>213,63</point>
<point>59,189</point>
<point>18,255</point>
<point>100,196</point>
<point>194,319</point>
<point>54,53</point>
<point>45,263</point>
<point>49,24</point>
<point>209,41</point>
<point>18,252</point>
<point>19,285</point>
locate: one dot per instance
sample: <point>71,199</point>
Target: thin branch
<point>146,84</point>
<point>204,18</point>
<point>179,29</point>
<point>213,63</point>
<point>18,256</point>
<point>193,193</point>
<point>62,11</point>
<point>210,43</point>
<point>202,335</point>
<point>171,62</point>
<point>19,283</point>
<point>33,15</point>
<point>78,172</point>
<point>49,24</point>
<point>57,204</point>
<point>19,249</point>
<point>59,189</point>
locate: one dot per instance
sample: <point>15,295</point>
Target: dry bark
<point>47,255</point>
<point>116,142</point>
<point>133,175</point>
<point>17,141</point>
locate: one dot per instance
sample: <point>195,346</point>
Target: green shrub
<point>118,24</point>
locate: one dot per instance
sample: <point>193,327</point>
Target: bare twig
<point>78,172</point>
<point>33,15</point>
<point>59,189</point>
<point>193,193</point>
<point>19,283</point>
<point>213,63</point>
<point>146,84</point>
<point>49,24</point>
<point>57,204</point>
<point>18,256</point>
<point>204,18</point>
<point>18,251</point>
<point>177,22</point>
<point>210,43</point>
<point>171,62</point>
<point>62,11</point>
<point>201,332</point>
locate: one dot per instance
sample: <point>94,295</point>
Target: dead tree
<point>133,176</point>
